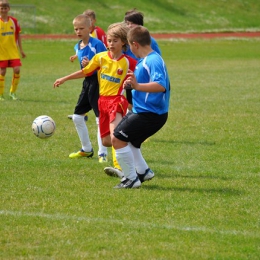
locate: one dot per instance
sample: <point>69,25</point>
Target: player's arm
<point>76,75</point>
<point>19,41</point>
<point>144,87</point>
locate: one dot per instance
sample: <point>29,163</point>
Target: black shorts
<point>136,128</point>
<point>88,98</point>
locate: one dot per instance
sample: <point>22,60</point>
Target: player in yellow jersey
<point>10,45</point>
<point>112,67</point>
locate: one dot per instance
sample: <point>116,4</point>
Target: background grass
<point>55,16</point>
<point>203,202</point>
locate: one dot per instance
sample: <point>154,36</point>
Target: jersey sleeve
<point>93,66</point>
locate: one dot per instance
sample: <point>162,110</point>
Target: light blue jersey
<point>151,69</point>
<point>94,46</point>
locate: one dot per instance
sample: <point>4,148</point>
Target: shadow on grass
<point>228,191</point>
<point>167,176</point>
<point>200,142</point>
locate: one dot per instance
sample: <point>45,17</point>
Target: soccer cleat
<point>114,172</point>
<point>129,184</point>
<point>85,117</point>
<point>147,176</point>
<point>82,154</point>
<point>2,98</point>
<point>102,158</point>
<point>13,96</point>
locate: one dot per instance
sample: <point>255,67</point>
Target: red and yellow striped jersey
<point>9,32</point>
<point>111,73</point>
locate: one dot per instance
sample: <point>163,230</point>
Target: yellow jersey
<point>9,32</point>
<point>111,73</point>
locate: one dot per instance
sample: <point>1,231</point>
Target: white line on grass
<point>126,222</point>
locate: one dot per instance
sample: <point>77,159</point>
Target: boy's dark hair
<point>134,16</point>
<point>139,34</point>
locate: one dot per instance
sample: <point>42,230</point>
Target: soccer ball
<point>43,126</point>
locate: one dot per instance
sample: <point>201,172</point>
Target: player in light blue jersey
<point>85,50</point>
<point>151,94</point>
<point>151,69</point>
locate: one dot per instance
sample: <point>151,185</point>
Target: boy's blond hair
<point>119,30</point>
<point>81,18</point>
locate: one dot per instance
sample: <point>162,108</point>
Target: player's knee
<point>78,119</point>
<point>117,144</point>
<point>17,70</point>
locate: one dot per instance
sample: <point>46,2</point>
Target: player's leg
<point>115,170</point>
<point>143,171</point>
<point>125,158</point>
<point>15,64</point>
<point>81,108</point>
<point>118,111</point>
<point>2,79</point>
<point>102,150</point>
<point>124,154</point>
<point>93,96</point>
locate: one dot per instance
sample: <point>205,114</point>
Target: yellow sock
<point>2,84</point>
<point>115,162</point>
<point>15,82</point>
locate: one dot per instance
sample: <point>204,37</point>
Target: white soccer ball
<point>43,126</point>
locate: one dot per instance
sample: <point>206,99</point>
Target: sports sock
<point>126,160</point>
<point>82,130</point>
<point>140,163</point>
<point>101,148</point>
<point>15,82</point>
<point>2,84</point>
<point>115,162</point>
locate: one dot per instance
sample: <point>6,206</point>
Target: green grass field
<point>55,16</point>
<point>203,202</point>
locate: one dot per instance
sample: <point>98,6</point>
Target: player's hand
<point>72,58</point>
<point>85,62</point>
<point>130,80</point>
<point>23,54</point>
<point>58,82</point>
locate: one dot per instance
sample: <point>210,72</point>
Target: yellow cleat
<point>82,154</point>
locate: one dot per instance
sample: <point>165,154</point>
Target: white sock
<point>140,163</point>
<point>125,158</point>
<point>82,130</point>
<point>101,147</point>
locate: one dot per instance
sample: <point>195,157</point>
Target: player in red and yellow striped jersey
<point>10,44</point>
<point>95,31</point>
<point>112,67</point>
